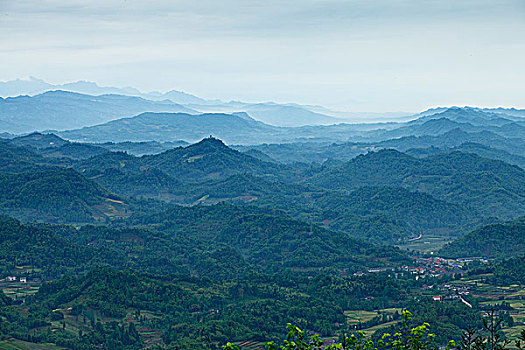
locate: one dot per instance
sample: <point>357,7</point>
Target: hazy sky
<point>366,55</point>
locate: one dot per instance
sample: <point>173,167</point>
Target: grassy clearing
<point>372,330</point>
<point>251,345</point>
<point>19,290</point>
<point>391,310</point>
<point>356,316</point>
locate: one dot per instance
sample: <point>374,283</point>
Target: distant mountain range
<point>17,116</point>
<point>270,113</point>
<point>34,86</point>
<point>58,110</point>
<point>498,135</point>
<point>240,128</point>
<point>233,128</point>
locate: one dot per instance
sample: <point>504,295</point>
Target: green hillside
<point>268,239</point>
<point>380,214</point>
<point>60,195</point>
<point>491,187</point>
<point>495,241</point>
<point>205,160</point>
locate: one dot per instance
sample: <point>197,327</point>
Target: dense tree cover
<point>472,147</point>
<point>151,183</point>
<point>494,188</point>
<point>50,145</point>
<point>105,306</point>
<point>186,310</point>
<point>45,251</point>
<point>60,195</point>
<point>306,152</point>
<point>447,320</point>
<point>379,214</point>
<point>15,159</point>
<point>153,251</point>
<point>219,242</point>
<point>4,300</point>
<point>497,240</point>
<point>73,150</point>
<point>37,141</point>
<point>269,239</point>
<point>163,175</point>
<point>365,213</point>
<point>509,271</point>
<point>141,148</point>
<point>110,160</point>
<point>208,159</point>
<point>404,337</point>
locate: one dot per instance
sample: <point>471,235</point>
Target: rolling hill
<point>14,159</point>
<point>60,195</point>
<point>492,187</point>
<point>208,159</point>
<point>268,239</point>
<point>377,214</point>
<point>232,128</point>
<point>494,241</point>
<point>471,147</point>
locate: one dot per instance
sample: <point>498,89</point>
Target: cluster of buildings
<point>449,292</point>
<point>433,266</point>
<point>14,279</point>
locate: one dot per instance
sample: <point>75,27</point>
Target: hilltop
<point>208,159</point>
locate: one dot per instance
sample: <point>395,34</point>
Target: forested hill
<point>219,241</point>
<point>57,195</point>
<point>15,159</point>
<point>207,159</point>
<point>269,239</point>
<point>472,147</point>
<point>493,241</point>
<point>210,172</point>
<point>380,214</point>
<point>493,187</point>
<point>39,247</point>
<point>183,312</point>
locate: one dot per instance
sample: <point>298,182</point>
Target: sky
<point>354,55</point>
